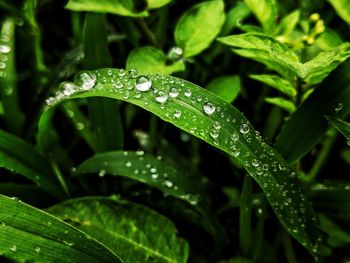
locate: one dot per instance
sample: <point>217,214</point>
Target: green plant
<point>183,177</point>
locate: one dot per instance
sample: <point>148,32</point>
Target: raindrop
<point>86,80</point>
<point>118,84</point>
<point>235,136</point>
<point>128,164</point>
<point>143,83</point>
<point>102,173</point>
<point>13,248</point>
<point>153,170</point>
<point>2,65</point>
<point>209,108</point>
<point>177,114</point>
<point>3,224</point>
<point>161,97</point>
<point>37,249</point>
<point>244,129</point>
<point>121,73</point>
<point>168,183</point>
<point>132,73</point>
<point>80,126</point>
<point>154,176</point>
<point>140,153</point>
<point>175,53</point>
<point>214,134</point>
<point>188,93</point>
<point>173,93</point>
<point>5,49</point>
<point>255,163</point>
<point>67,88</point>
<point>217,125</point>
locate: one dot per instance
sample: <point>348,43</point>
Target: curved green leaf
<point>199,26</point>
<point>21,157</point>
<point>342,7</point>
<point>282,103</point>
<point>144,168</point>
<point>136,233</point>
<point>276,82</point>
<point>294,143</point>
<point>226,87</point>
<point>265,11</point>
<point>150,60</point>
<point>120,7</point>
<point>28,234</point>
<point>152,4</point>
<point>208,117</point>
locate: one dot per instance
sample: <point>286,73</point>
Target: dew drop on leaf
<point>132,73</point>
<point>255,163</point>
<point>214,134</point>
<point>13,248</point>
<point>67,88</point>
<point>37,249</point>
<point>128,164</point>
<point>102,173</point>
<point>177,114</point>
<point>161,97</point>
<point>5,49</point>
<point>173,93</point>
<point>209,108</point>
<point>244,129</point>
<point>188,93</point>
<point>143,83</point>
<point>85,80</point>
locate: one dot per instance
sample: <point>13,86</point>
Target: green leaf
<point>210,118</point>
<point>144,168</point>
<point>278,83</point>
<point>342,126</point>
<point>30,235</point>
<point>265,11</point>
<point>21,157</point>
<point>199,26</point>
<point>315,70</point>
<point>226,87</point>
<point>294,143</point>
<point>103,112</point>
<point>150,60</point>
<point>136,233</point>
<point>288,23</point>
<point>8,92</point>
<point>342,7</point>
<point>337,235</point>
<point>267,50</point>
<point>120,7</point>
<point>245,216</point>
<point>152,4</point>
<point>282,103</point>
<point>235,17</point>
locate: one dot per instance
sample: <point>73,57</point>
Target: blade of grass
<point>218,123</point>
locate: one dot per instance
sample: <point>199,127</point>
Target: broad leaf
<point>265,11</point>
<point>28,234</point>
<point>288,23</point>
<point>210,118</point>
<point>120,7</point>
<point>235,17</point>
<point>136,233</point>
<point>21,157</point>
<point>227,87</point>
<point>199,26</point>
<point>278,83</point>
<point>342,126</point>
<point>267,50</point>
<point>342,7</point>
<point>282,103</point>
<point>294,143</point>
<point>146,169</point>
<point>150,60</point>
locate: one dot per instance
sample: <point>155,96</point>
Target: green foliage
<point>129,131</point>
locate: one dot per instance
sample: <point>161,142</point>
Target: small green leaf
<point>315,70</point>
<point>265,11</point>
<point>28,234</point>
<point>235,17</point>
<point>267,50</point>
<point>136,233</point>
<point>120,7</point>
<point>21,157</point>
<point>282,103</point>
<point>342,7</point>
<point>288,23</point>
<point>144,168</point>
<point>199,26</point>
<point>150,60</point>
<point>207,116</point>
<point>342,126</point>
<point>278,83</point>
<point>152,4</point>
<point>337,235</point>
<point>226,87</point>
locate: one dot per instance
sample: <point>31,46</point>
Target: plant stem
<point>288,248</point>
<point>59,177</point>
<point>149,34</point>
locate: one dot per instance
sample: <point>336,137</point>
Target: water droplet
<point>37,249</point>
<point>140,153</point>
<point>255,163</point>
<point>2,65</point>
<point>132,73</point>
<point>244,129</point>
<point>161,97</point>
<point>214,134</point>
<point>168,183</point>
<point>177,114</point>
<point>67,88</point>
<point>80,126</point>
<point>153,170</point>
<point>143,83</point>
<point>188,93</point>
<point>102,173</point>
<point>339,107</point>
<point>85,80</point>
<point>118,84</point>
<point>154,176</point>
<point>173,93</point>
<point>217,125</point>
<point>209,108</point>
<point>175,53</point>
<point>128,164</point>
<point>13,248</point>
<point>5,49</point>
<point>3,224</point>
<point>235,136</point>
